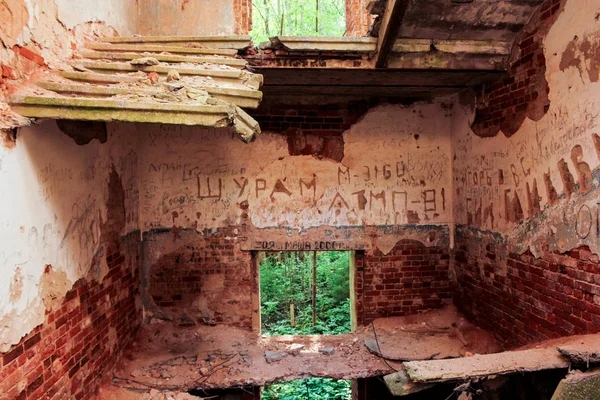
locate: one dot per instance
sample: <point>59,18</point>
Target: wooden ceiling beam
<point>395,11</point>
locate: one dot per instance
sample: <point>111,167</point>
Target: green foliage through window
<point>297,18</point>
<point>286,281</point>
<point>309,389</point>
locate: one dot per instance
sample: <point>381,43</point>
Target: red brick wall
<point>312,129</point>
<point>67,355</point>
<point>358,18</point>
<point>83,337</point>
<point>412,277</point>
<point>522,298</point>
<point>212,260</point>
<point>524,93</point>
<point>242,12</point>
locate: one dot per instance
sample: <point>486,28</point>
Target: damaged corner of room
<point>318,201</point>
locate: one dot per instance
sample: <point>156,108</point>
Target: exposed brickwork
<point>211,267</point>
<point>524,93</point>
<point>82,338</point>
<point>312,129</point>
<point>358,18</point>
<point>412,277</point>
<point>522,298</point>
<point>242,11</point>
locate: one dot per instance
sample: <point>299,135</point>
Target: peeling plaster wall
<point>52,219</point>
<point>202,186</point>
<point>539,187</point>
<point>121,15</point>
<point>526,206</point>
<point>186,18</point>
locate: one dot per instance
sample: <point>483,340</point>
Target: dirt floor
<point>168,357</point>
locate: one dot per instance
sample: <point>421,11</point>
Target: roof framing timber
<point>395,10</point>
<point>221,42</point>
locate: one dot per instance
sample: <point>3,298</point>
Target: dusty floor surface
<point>167,357</point>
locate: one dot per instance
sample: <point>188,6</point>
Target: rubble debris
<point>579,386</point>
<point>400,384</point>
<point>186,320</point>
<point>144,61</point>
<point>578,356</point>
<point>173,75</point>
<point>274,356</point>
<point>327,350</point>
<point>295,349</point>
<point>546,355</point>
<point>137,86</point>
<point>153,77</point>
<point>436,334</point>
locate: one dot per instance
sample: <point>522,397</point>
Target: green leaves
<point>297,18</point>
<point>287,277</point>
<point>309,389</point>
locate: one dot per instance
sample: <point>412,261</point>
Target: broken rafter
<point>392,20</point>
<point>239,97</point>
<point>196,81</point>
<point>169,58</point>
<point>123,110</point>
<point>150,48</point>
<point>221,42</point>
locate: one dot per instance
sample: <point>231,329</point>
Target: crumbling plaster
<point>53,207</point>
<point>539,188</point>
<point>185,17</point>
<point>395,170</point>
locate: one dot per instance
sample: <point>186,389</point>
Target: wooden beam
<point>392,19</point>
<point>508,362</point>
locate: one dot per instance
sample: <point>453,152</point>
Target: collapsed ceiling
<point>169,80</point>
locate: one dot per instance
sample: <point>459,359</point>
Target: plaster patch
<point>53,286</point>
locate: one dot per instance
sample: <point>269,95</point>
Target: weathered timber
<point>169,58</point>
<point>94,109</point>
<point>239,97</point>
<point>508,362</point>
<point>221,42</point>
<point>392,20</point>
<point>324,43</point>
<point>150,48</point>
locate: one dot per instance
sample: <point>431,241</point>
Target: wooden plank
<point>239,97</point>
<point>161,69</point>
<point>392,20</point>
<point>491,47</point>
<point>221,42</point>
<point>508,362</point>
<point>160,49</point>
<point>473,46</point>
<point>325,43</point>
<point>135,111</point>
<point>447,61</point>
<point>100,78</point>
<point>169,58</point>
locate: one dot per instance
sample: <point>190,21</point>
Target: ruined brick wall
<point>412,277</point>
<point>522,298</point>
<point>504,106</point>
<point>242,10</point>
<point>207,276</point>
<point>311,129</point>
<point>358,18</point>
<point>526,205</point>
<point>84,332</point>
<point>335,177</point>
<point>81,339</point>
